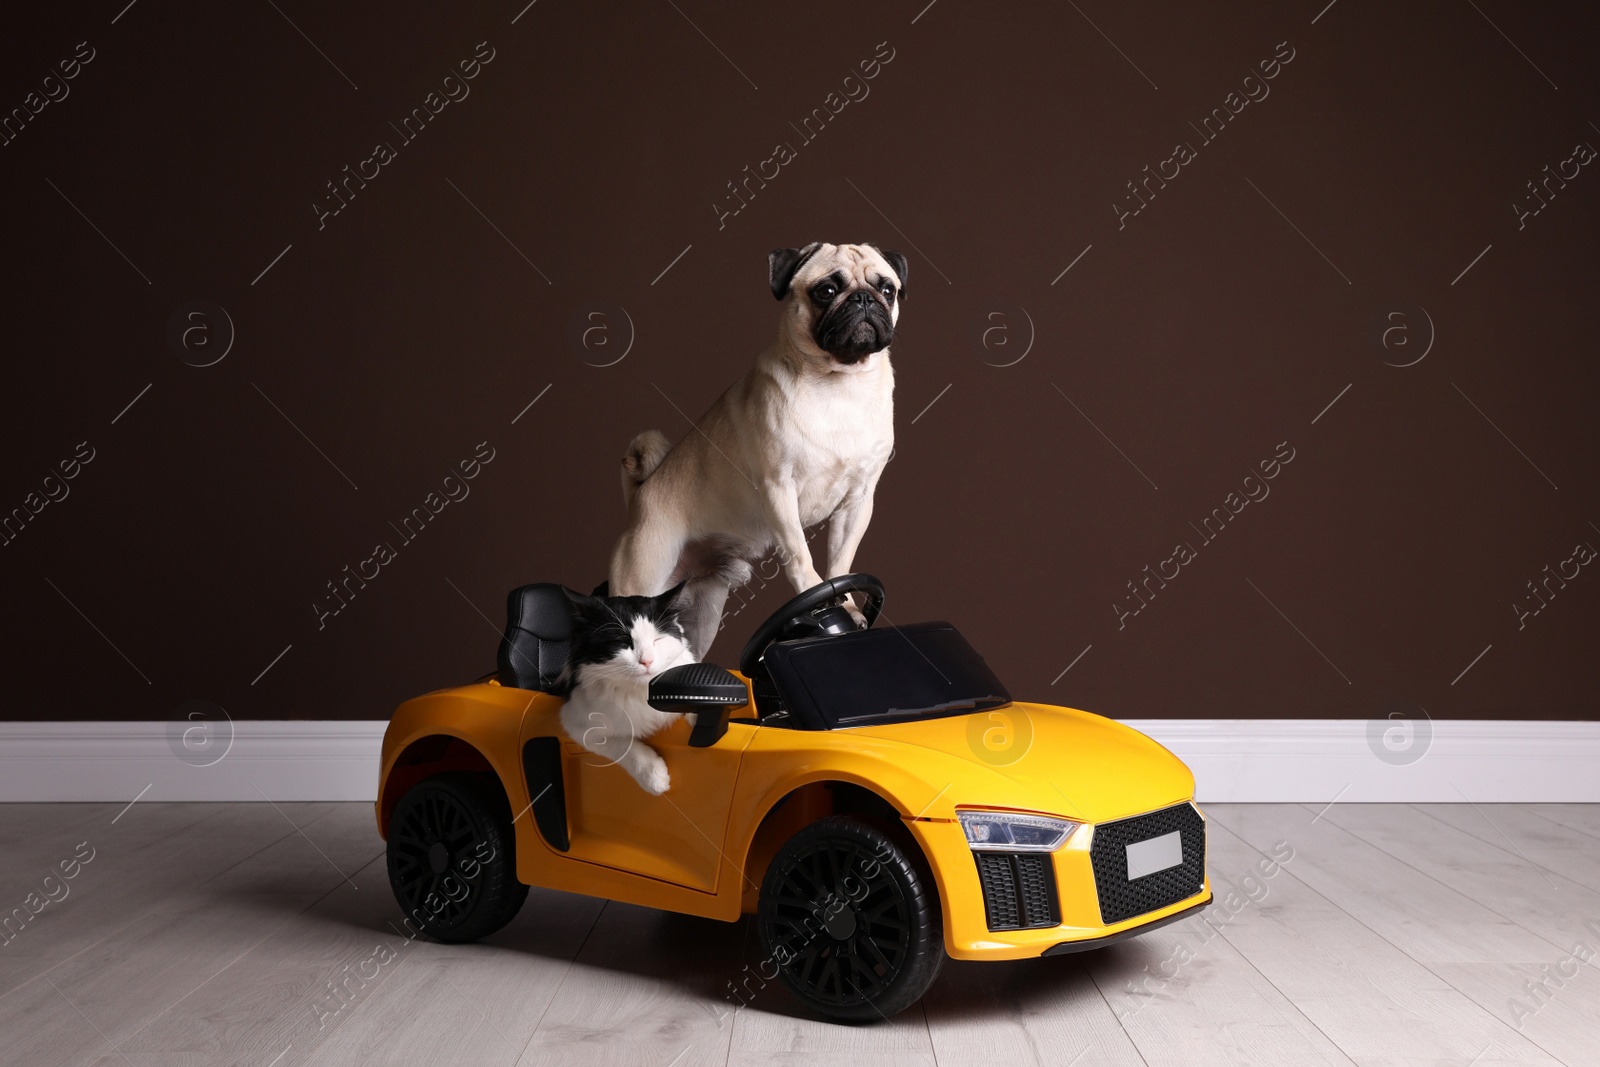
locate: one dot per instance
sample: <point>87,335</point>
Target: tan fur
<point>644,455</point>
<point>799,439</point>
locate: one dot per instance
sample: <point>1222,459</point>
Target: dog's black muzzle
<point>855,327</point>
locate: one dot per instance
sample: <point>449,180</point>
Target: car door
<point>676,837</point>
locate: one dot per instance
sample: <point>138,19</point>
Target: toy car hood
<point>1035,757</point>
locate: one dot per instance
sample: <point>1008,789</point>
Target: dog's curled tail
<point>644,455</point>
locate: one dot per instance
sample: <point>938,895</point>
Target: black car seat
<point>537,640</point>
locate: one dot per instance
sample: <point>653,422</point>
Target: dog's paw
<point>855,613</point>
<point>736,572</point>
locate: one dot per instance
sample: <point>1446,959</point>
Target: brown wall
<point>995,144</point>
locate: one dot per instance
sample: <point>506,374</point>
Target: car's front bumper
<point>1075,922</point>
<point>1064,947</point>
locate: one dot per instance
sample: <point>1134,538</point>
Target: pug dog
<point>803,437</point>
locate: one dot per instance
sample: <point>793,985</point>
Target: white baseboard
<point>1234,760</point>
<point>1313,761</point>
<point>115,761</point>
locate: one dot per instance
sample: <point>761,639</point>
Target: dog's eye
<point>888,291</point>
<point>825,291</point>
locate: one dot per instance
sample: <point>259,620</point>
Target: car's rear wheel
<point>452,859</point>
<point>849,917</point>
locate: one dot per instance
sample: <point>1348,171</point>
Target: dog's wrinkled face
<point>842,300</point>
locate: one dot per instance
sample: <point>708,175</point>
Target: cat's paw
<point>657,780</point>
<point>652,775</point>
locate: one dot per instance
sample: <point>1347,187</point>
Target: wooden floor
<point>200,935</point>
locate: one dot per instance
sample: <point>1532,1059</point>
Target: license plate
<point>1156,854</point>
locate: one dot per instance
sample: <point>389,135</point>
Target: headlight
<point>1006,831</point>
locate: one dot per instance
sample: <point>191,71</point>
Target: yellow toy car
<point>873,796</point>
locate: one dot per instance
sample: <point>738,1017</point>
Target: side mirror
<point>705,689</point>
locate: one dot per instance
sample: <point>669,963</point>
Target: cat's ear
<point>673,599</point>
<point>579,604</point>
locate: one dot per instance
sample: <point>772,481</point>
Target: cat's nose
<point>645,660</point>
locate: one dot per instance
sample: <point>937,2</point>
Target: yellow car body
<point>703,847</point>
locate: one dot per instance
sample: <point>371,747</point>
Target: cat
<point>619,643</point>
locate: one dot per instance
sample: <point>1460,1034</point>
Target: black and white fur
<point>619,644</point>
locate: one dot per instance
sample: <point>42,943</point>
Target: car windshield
<point>895,674</point>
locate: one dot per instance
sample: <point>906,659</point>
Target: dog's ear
<point>782,263</point>
<point>898,262</point>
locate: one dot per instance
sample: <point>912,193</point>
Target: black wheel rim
<point>839,924</point>
<point>435,898</point>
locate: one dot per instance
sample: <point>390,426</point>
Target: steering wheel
<point>813,607</point>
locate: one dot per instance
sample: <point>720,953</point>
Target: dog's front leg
<point>846,526</point>
<point>781,502</point>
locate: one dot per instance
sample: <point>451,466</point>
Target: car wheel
<point>849,917</point>
<point>452,859</point>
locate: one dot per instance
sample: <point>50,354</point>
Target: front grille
<point>1019,890</point>
<point>1123,899</point>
